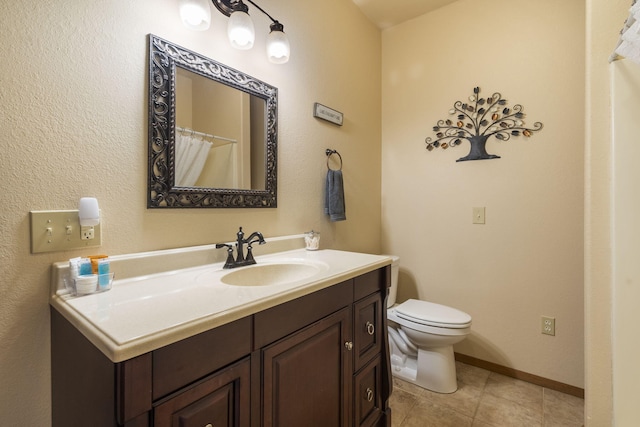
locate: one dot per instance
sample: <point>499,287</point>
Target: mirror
<point>212,133</point>
<point>220,135</point>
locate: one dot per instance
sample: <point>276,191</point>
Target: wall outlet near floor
<point>548,325</point>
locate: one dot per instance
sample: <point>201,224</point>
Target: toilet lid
<point>431,314</point>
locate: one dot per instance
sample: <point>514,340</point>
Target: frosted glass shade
<point>278,48</point>
<point>89,212</point>
<point>195,14</point>
<point>240,30</point>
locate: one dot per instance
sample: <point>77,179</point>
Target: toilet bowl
<point>421,339</point>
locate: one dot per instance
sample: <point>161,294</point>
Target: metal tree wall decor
<point>477,121</point>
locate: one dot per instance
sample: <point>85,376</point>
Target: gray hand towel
<point>334,205</point>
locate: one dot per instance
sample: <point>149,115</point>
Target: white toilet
<point>421,339</point>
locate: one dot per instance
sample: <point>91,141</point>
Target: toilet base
<point>433,369</point>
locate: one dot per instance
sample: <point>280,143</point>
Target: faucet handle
<point>229,263</point>
<point>248,260</point>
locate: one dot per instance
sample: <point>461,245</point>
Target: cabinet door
<point>307,375</point>
<point>368,329</point>
<point>366,392</point>
<point>221,399</point>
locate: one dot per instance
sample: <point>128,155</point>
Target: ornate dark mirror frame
<point>164,57</point>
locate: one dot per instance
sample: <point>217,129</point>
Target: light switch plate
<point>53,231</point>
<point>478,215</point>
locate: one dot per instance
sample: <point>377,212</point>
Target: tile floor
<point>484,399</point>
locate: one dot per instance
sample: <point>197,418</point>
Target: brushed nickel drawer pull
<point>370,328</point>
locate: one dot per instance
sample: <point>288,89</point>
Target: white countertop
<point>143,313</point>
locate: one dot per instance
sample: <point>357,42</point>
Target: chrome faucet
<point>241,260</point>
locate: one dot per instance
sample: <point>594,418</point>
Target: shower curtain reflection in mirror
<point>212,115</point>
<point>191,155</point>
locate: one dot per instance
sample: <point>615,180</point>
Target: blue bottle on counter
<point>103,273</point>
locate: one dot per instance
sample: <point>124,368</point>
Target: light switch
<point>478,215</point>
<point>53,231</point>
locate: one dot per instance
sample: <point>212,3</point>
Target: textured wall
<point>527,260</point>
<point>73,114</point>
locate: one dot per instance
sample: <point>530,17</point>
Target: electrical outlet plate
<point>87,233</point>
<point>548,326</point>
<point>53,231</point>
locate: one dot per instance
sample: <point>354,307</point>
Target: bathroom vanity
<point>307,348</point>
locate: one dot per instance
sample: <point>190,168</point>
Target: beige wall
<point>74,117</point>
<point>67,88</point>
<point>527,260</point>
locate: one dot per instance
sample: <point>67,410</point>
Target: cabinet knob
<point>209,425</point>
<point>370,328</point>
<point>369,394</point>
<point>348,345</point>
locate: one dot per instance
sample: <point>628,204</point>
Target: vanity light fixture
<point>196,15</point>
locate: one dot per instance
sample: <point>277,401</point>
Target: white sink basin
<point>145,312</point>
<point>270,274</point>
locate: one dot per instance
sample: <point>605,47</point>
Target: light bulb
<point>195,14</point>
<point>240,30</point>
<point>278,48</point>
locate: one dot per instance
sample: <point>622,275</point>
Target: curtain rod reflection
<point>204,135</point>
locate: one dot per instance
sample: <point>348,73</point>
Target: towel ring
<point>329,152</point>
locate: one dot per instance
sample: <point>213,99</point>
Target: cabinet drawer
<point>368,324</point>
<point>274,323</point>
<point>373,281</point>
<point>367,388</point>
<point>221,400</point>
<point>186,361</point>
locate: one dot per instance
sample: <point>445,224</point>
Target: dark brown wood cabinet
<point>367,397</point>
<point>318,360</point>
<point>306,375</point>
<point>368,326</point>
<point>219,400</point>
<point>371,356</point>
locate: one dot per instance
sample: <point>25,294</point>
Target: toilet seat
<point>432,314</point>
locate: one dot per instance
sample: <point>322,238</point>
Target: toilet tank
<point>393,290</point>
